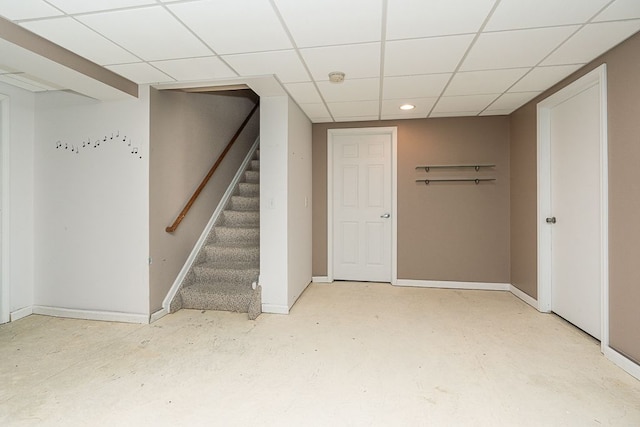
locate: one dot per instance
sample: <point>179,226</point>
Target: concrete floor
<point>349,354</point>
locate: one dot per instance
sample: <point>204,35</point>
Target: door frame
<point>5,290</point>
<point>393,132</point>
<point>597,77</point>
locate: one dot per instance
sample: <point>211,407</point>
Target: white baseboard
<point>275,309</point>
<point>626,364</point>
<point>108,316</point>
<point>523,296</point>
<point>205,233</point>
<point>158,315</point>
<point>321,279</point>
<point>445,284</point>
<point>19,314</point>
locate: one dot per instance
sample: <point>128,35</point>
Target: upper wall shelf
<point>476,167</point>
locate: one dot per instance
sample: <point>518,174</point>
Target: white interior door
<point>362,206</point>
<point>575,205</point>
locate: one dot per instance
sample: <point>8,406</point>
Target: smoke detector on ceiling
<point>336,77</point>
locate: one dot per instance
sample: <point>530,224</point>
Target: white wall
<point>299,202</point>
<point>19,182</point>
<point>285,221</point>
<point>273,203</point>
<point>91,207</point>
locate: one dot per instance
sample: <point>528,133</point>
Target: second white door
<point>361,205</point>
<point>575,205</point>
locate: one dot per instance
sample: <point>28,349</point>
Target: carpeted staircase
<point>227,267</point>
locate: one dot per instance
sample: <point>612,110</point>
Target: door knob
<point>385,215</point>
<point>551,220</point>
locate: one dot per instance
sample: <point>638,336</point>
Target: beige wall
<point>623,85</point>
<point>188,132</point>
<point>455,232</point>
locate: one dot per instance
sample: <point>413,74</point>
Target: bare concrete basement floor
<point>349,354</point>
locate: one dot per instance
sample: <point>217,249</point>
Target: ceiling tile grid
<point>446,57</point>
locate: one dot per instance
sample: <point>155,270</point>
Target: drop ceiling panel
<point>72,35</point>
<point>304,93</point>
<point>284,63</point>
<point>415,86</point>
<point>141,73</point>
<point>350,90</point>
<point>620,9</point>
<point>206,68</point>
<point>316,111</point>
<point>150,33</point>
<point>464,104</point>
<point>591,41</point>
<point>425,56</point>
<point>514,49</point>
<point>27,9</point>
<point>512,101</point>
<point>356,61</point>
<point>354,109</point>
<point>332,22</point>
<point>391,108</point>
<point>234,26</point>
<point>514,14</point>
<point>82,6</point>
<point>542,78</point>
<point>483,82</point>
<point>419,18</point>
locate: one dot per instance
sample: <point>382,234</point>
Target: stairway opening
<point>225,273</point>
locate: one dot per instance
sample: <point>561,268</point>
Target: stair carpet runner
<point>228,264</point>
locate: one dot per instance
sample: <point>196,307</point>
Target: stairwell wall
<point>285,218</point>
<point>299,201</point>
<point>188,132</point>
<point>91,206</point>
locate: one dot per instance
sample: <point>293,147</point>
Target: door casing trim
<point>393,132</point>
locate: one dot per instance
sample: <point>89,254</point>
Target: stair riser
<point>255,165</point>
<point>212,301</point>
<point>215,275</point>
<point>240,218</point>
<point>252,176</point>
<point>248,236</point>
<point>249,189</point>
<point>239,203</point>
<point>221,255</point>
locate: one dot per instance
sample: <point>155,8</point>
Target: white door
<point>575,205</point>
<point>361,206</point>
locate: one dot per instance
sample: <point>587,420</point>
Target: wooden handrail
<point>193,198</point>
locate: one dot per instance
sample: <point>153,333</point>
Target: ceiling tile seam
<point>302,61</point>
<point>106,38</point>
<point>543,27</point>
<point>383,42</point>
<point>323,46</point>
<point>193,33</point>
<point>580,27</point>
<point>71,15</point>
<point>464,56</point>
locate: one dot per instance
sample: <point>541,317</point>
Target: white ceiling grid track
<point>446,57</point>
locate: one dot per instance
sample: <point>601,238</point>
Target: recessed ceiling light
<point>407,107</point>
<point>336,77</point>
